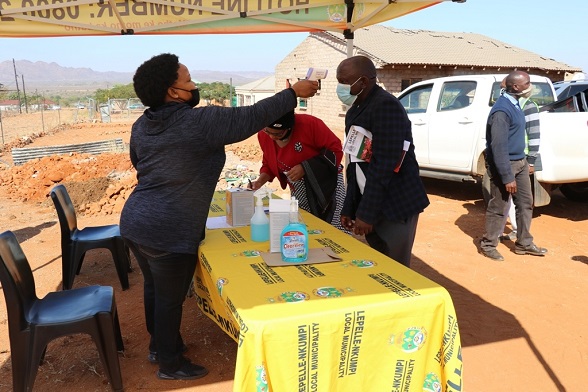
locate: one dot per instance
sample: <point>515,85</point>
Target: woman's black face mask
<point>287,135</point>
<point>195,100</point>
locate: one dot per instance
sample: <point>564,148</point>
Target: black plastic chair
<point>461,101</point>
<point>75,242</point>
<point>34,322</point>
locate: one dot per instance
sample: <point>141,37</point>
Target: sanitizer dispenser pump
<point>259,221</point>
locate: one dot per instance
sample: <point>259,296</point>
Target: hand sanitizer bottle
<point>259,221</point>
<point>294,239</point>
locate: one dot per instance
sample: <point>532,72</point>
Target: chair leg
<point>76,264</point>
<point>66,268</point>
<point>35,357</point>
<point>120,346</point>
<point>79,261</point>
<point>121,262</point>
<point>20,366</point>
<point>42,360</point>
<point>128,253</point>
<point>77,258</point>
<point>107,348</point>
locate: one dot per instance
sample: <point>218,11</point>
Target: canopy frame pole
<point>348,33</point>
<point>123,25</point>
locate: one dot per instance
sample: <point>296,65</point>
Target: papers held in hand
<point>358,144</point>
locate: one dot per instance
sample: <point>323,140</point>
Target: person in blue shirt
<point>508,170</point>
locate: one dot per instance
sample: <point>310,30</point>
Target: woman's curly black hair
<point>154,77</point>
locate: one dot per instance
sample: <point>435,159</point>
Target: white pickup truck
<point>449,118</point>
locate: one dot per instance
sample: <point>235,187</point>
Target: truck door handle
<point>419,121</point>
<point>465,120</point>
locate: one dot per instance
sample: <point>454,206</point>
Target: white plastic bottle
<point>259,221</point>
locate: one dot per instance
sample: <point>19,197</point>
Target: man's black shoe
<point>152,357</point>
<point>530,250</point>
<point>492,254</point>
<point>188,371</point>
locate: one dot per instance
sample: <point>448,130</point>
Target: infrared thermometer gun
<point>317,74</point>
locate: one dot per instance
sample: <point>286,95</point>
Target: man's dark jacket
<point>395,196</point>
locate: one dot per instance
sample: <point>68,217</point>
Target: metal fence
<point>14,125</point>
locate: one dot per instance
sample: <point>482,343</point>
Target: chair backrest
<point>461,101</point>
<point>65,211</point>
<point>18,283</point>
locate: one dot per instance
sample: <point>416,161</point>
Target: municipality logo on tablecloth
<point>432,383</point>
<point>411,340</point>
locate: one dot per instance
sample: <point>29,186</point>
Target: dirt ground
<point>522,321</point>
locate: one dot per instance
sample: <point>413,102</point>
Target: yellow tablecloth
<point>218,204</point>
<point>363,324</point>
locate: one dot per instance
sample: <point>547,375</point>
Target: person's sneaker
<point>530,250</point>
<point>152,357</point>
<point>188,371</point>
<point>492,254</point>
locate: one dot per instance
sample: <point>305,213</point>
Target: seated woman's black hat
<point>284,122</point>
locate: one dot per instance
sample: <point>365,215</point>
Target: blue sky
<point>551,29</point>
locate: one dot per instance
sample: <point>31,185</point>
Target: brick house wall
<point>324,52</point>
<point>313,52</point>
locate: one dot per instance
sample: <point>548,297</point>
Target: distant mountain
<point>44,76</point>
<point>234,78</point>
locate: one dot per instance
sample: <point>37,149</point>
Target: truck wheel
<point>577,191</point>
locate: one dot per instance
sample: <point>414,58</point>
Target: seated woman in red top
<point>303,153</point>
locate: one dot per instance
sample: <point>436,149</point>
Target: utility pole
<point>230,92</point>
<point>1,126</point>
<point>24,93</point>
<point>17,90</point>
<point>42,109</point>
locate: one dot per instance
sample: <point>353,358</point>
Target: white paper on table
<point>217,222</point>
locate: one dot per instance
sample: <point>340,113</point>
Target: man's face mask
<point>526,93</point>
<point>344,93</point>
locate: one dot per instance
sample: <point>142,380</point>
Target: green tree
<point>55,98</point>
<point>118,91</point>
<point>215,91</point>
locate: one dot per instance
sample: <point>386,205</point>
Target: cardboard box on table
<point>279,217</point>
<point>240,206</point>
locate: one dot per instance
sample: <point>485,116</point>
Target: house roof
<point>265,84</point>
<point>395,46</point>
<point>9,102</point>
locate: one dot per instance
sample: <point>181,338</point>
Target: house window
<point>408,82</point>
